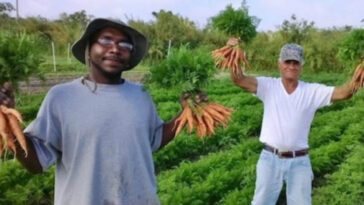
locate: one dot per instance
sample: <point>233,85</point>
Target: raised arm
<point>347,90</point>
<point>247,83</point>
<point>342,92</point>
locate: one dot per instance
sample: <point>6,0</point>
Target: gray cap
<point>139,41</point>
<point>291,52</point>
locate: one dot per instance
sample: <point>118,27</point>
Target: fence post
<point>54,57</point>
<point>169,47</point>
<point>68,53</point>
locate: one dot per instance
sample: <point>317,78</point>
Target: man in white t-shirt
<point>289,107</point>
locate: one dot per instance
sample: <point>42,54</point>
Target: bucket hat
<point>139,41</point>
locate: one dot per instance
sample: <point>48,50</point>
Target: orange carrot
<point>209,123</point>
<point>361,78</point>
<point>12,112</point>
<point>231,58</point>
<point>236,59</point>
<point>227,52</point>
<point>222,50</point>
<point>180,125</point>
<point>221,109</point>
<point>216,115</point>
<point>176,123</point>
<point>242,57</point>
<point>202,126</point>
<point>17,132</point>
<point>2,131</point>
<point>357,71</point>
<point>10,144</point>
<point>1,145</point>
<point>189,116</point>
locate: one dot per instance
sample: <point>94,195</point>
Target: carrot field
<point>220,169</point>
<point>199,168</point>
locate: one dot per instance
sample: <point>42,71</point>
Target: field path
<point>36,85</point>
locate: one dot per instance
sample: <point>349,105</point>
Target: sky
<point>324,13</point>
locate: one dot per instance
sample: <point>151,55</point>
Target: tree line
<point>331,49</point>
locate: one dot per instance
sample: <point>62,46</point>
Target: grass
<point>71,66</point>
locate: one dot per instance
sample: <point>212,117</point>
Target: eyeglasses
<point>107,42</point>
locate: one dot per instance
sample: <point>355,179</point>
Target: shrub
<point>19,57</point>
<point>184,69</point>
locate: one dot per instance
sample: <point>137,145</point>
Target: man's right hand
<point>247,83</point>
<point>6,95</point>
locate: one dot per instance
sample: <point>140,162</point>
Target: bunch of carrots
<point>230,56</point>
<point>358,77</point>
<point>10,127</point>
<point>205,116</point>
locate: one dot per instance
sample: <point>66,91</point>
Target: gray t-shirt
<point>101,142</point>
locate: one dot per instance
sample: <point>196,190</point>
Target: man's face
<point>109,51</point>
<point>290,69</point>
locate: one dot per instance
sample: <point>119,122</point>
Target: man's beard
<point>109,75</point>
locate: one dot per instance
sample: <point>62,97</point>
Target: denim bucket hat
<point>139,41</point>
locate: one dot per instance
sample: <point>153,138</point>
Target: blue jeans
<point>272,171</point>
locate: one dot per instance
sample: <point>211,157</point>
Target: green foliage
<point>5,9</point>
<point>221,169</point>
<point>236,23</point>
<point>179,30</point>
<point>262,53</point>
<point>322,47</point>
<point>19,187</point>
<point>319,48</point>
<point>184,69</point>
<point>320,56</point>
<point>207,180</point>
<point>63,31</point>
<point>167,27</point>
<point>213,38</point>
<point>79,18</point>
<point>295,31</point>
<point>28,105</point>
<point>346,185</point>
<point>19,57</point>
<point>71,66</point>
<point>351,48</point>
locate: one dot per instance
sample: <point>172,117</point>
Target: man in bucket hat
<point>289,107</point>
<point>100,129</point>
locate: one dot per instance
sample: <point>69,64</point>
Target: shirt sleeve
<point>322,95</point>
<point>44,132</point>
<point>262,87</point>
<point>156,128</point>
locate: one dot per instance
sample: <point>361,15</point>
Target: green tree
<point>295,31</point>
<point>6,22</point>
<point>79,18</point>
<point>320,56</point>
<point>5,9</point>
<point>167,27</point>
<point>351,48</point>
<point>179,30</point>
<point>236,23</point>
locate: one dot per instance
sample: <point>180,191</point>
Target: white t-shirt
<point>287,117</point>
<point>101,142</point>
